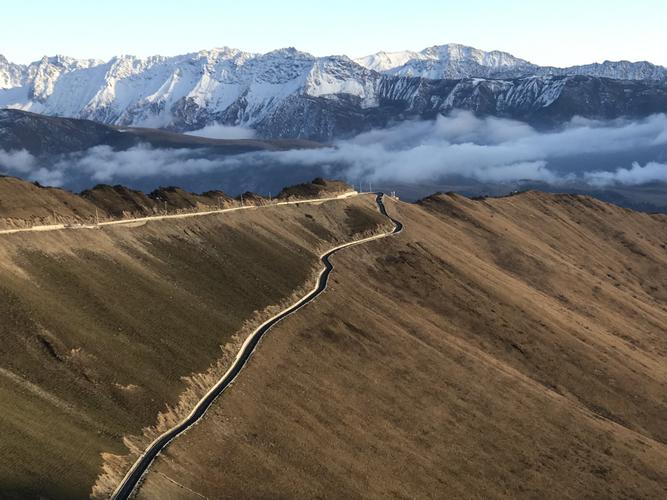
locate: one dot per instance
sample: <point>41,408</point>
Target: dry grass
<point>104,330</point>
<point>23,204</point>
<point>508,348</point>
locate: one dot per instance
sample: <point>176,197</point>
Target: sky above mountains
<point>565,33</point>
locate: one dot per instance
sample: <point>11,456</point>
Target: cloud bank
<point>490,150</point>
<point>458,146</point>
<point>635,175</point>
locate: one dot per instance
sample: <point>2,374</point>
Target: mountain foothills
<point>287,93</point>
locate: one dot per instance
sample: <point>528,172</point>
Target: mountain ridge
<point>457,61</point>
<point>287,93</point>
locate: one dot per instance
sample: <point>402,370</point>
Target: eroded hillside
<point>500,348</point>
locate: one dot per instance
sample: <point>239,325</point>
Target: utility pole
<point>97,217</point>
<point>241,199</point>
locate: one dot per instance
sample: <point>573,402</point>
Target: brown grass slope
<point>317,188</point>
<point>506,348</point>
<point>120,201</point>
<point>99,327</point>
<point>23,204</point>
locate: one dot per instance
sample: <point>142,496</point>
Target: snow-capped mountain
<point>456,61</point>
<point>182,91</point>
<point>452,61</point>
<point>287,93</point>
<point>459,61</point>
<point>619,70</point>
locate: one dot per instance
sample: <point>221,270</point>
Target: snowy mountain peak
<point>444,61</point>
<point>455,61</point>
<point>289,52</point>
<point>385,61</point>
<point>267,91</point>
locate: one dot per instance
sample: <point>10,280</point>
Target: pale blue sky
<point>558,33</point>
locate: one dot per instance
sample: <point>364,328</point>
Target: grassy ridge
<point>500,348</point>
<point>99,327</point>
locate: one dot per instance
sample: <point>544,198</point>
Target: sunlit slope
<point>501,348</point>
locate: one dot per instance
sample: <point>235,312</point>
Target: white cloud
<point>651,172</point>
<point>218,131</point>
<point>20,162</point>
<point>460,145</point>
<point>486,149</point>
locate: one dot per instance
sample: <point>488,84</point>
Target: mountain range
<point>455,61</point>
<point>288,93</point>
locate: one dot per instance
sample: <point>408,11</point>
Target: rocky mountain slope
<point>499,348</point>
<point>287,93</point>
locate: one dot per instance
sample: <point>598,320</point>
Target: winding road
<point>140,467</point>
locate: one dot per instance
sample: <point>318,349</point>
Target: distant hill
<point>43,135</point>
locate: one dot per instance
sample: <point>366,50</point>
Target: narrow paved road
<point>130,481</point>
<point>60,227</point>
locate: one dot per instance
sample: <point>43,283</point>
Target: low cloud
<point>19,162</point>
<point>637,174</point>
<point>484,149</point>
<point>103,164</point>
<point>459,146</point>
<point>218,131</point>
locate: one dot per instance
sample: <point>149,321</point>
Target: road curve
<point>140,467</point>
